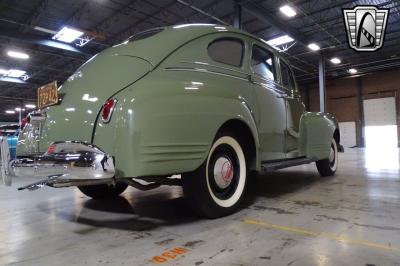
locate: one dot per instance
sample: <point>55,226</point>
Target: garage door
<point>380,112</point>
<point>381,134</point>
<point>380,123</point>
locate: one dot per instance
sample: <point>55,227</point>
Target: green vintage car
<point>209,102</point>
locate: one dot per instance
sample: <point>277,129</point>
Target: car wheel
<point>328,167</point>
<point>103,191</point>
<point>217,187</point>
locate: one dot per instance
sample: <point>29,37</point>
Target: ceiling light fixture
<point>18,55</point>
<point>336,60</point>
<point>16,73</point>
<point>313,47</point>
<point>67,35</point>
<point>353,71</point>
<point>280,40</point>
<point>10,112</point>
<point>3,71</point>
<point>30,106</point>
<point>288,11</point>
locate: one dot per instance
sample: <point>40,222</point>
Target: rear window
<point>227,51</point>
<point>145,34</point>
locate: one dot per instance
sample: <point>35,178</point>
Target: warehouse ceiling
<point>28,26</point>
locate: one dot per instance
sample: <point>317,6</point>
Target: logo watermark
<point>365,27</point>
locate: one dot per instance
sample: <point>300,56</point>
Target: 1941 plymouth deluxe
<point>209,102</point>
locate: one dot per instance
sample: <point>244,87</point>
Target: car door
<point>294,110</point>
<point>271,115</point>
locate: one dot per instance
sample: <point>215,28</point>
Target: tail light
<point>108,108</point>
<point>51,149</point>
<point>23,123</point>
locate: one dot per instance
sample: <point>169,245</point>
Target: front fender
<point>159,131</point>
<point>316,131</point>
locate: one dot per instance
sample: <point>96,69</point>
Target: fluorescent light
<point>353,71</point>
<point>18,55</point>
<point>15,73</point>
<point>336,60</point>
<point>280,40</point>
<point>288,11</point>
<point>12,80</point>
<point>314,47</point>
<point>44,30</point>
<point>67,35</point>
<point>10,112</point>
<point>18,109</point>
<point>30,106</point>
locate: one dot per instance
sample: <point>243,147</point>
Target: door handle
<point>288,97</point>
<point>283,96</point>
<point>250,78</point>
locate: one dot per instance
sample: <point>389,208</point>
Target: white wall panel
<point>348,134</point>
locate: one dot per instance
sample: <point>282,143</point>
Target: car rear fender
<point>160,131</point>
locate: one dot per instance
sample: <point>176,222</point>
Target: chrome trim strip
<point>211,65</point>
<point>203,70</point>
<point>268,81</point>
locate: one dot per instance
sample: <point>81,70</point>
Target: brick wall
<point>343,100</point>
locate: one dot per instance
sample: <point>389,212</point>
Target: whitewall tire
<point>217,187</point>
<point>328,167</point>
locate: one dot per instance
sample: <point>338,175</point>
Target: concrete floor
<point>294,218</point>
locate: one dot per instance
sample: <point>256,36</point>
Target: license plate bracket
<point>47,95</point>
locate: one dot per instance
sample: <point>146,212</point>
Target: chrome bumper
<point>65,164</point>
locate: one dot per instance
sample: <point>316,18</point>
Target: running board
<point>276,165</point>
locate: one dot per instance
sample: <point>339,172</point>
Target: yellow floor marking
<point>342,239</point>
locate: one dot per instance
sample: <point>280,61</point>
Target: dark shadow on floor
<point>142,211</point>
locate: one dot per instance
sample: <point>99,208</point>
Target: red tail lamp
<point>108,108</point>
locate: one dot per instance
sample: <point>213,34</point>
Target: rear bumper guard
<point>67,163</point>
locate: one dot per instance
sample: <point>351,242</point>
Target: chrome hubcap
<point>332,155</point>
<point>223,172</point>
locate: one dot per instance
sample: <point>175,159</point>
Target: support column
<point>307,97</point>
<point>361,122</point>
<point>21,104</point>
<point>322,88</point>
<point>237,15</point>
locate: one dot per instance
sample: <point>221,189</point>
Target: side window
<point>287,76</point>
<point>227,50</point>
<point>262,62</point>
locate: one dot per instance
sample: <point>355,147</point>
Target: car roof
<point>171,38</point>
<point>199,29</point>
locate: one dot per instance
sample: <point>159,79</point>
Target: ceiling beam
<point>270,18</point>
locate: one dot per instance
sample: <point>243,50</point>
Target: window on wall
<point>227,51</point>
<point>262,62</point>
<point>287,76</point>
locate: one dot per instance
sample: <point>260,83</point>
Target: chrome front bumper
<point>66,163</point>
